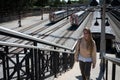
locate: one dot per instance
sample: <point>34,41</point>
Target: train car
<point>78,17</point>
<point>109,36</point>
<point>58,15</point>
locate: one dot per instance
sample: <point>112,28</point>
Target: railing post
<point>32,64</point>
<point>3,57</point>
<point>27,65</point>
<point>56,63</point>
<point>17,68</point>
<point>64,62</point>
<point>113,71</point>
<point>106,69</point>
<point>71,60</point>
<point>36,62</point>
<point>43,62</point>
<point>6,62</point>
<point>39,63</point>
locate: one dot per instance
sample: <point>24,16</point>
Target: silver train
<point>78,17</point>
<point>58,15</point>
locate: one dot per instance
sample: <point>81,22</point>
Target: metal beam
<point>103,41</point>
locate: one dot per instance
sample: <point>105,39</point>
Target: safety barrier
<point>115,62</point>
<point>33,62</point>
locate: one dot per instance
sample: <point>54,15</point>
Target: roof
<point>96,31</point>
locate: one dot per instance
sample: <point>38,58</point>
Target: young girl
<point>86,53</point>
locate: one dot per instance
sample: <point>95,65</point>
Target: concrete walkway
<point>25,22</point>
<point>75,74</point>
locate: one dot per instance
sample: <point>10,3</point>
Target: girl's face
<point>86,34</point>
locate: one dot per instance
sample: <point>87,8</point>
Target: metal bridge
<point>42,51</point>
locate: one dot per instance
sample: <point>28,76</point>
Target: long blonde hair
<point>90,42</point>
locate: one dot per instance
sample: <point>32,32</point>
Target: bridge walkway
<point>75,74</point>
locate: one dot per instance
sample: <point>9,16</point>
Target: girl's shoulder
<point>80,39</point>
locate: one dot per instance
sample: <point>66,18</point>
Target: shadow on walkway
<point>78,77</point>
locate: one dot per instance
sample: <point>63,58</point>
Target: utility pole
<point>103,40</point>
<point>42,11</point>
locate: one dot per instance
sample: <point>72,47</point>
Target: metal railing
<point>15,34</point>
<point>33,63</point>
<point>115,61</point>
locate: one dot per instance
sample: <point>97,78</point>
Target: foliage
<point>93,3</point>
<point>14,5</point>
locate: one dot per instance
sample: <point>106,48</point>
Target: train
<point>77,18</point>
<point>58,15</point>
<point>109,37</point>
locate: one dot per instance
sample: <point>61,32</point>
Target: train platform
<point>75,74</point>
<point>25,22</point>
<point>71,74</point>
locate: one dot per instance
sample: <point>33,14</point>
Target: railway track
<point>65,37</point>
<point>42,36</point>
<point>61,41</point>
<point>22,30</point>
<point>38,34</point>
<point>115,26</point>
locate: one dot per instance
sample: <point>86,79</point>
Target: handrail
<point>73,48</point>
<point>113,60</point>
<point>12,33</point>
<point>38,63</point>
<point>29,46</point>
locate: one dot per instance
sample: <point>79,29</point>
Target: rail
<point>115,61</point>
<point>34,63</point>
<point>116,14</point>
<point>29,46</point>
<point>12,33</point>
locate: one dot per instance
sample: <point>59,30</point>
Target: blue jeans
<point>85,68</point>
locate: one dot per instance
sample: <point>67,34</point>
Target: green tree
<point>93,3</point>
<point>57,3</point>
<point>81,1</point>
<point>41,3</point>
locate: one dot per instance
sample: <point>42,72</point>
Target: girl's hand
<point>93,65</point>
